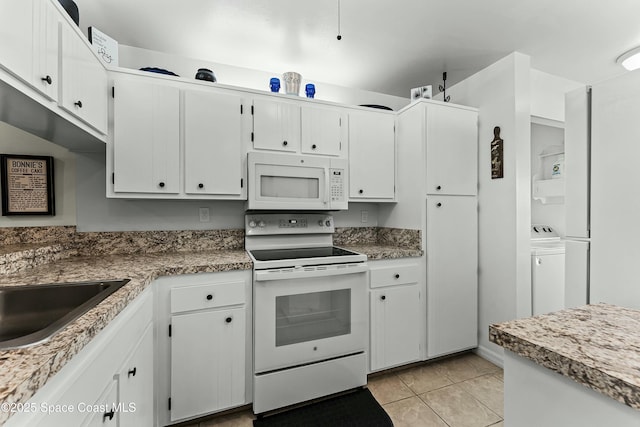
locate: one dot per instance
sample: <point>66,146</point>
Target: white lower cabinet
<point>204,344</point>
<point>103,411</point>
<point>135,382</point>
<point>452,274</point>
<point>395,309</point>
<point>207,361</point>
<point>90,389</point>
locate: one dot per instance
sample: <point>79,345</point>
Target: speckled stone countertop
<point>596,345</point>
<point>23,371</point>
<point>374,252</point>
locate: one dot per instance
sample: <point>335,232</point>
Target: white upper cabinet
<point>176,140</point>
<point>451,150</point>
<point>84,81</point>
<point>371,156</point>
<point>324,130</point>
<point>29,43</point>
<point>276,125</point>
<point>214,154</point>
<point>146,137</point>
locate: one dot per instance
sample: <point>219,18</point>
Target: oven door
<point>308,314</point>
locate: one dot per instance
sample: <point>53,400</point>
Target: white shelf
<point>548,190</point>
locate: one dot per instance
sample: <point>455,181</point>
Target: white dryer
<point>547,270</point>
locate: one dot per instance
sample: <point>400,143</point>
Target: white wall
<point>546,139</point>
<point>133,57</point>
<point>16,141</point>
<point>547,94</point>
<point>501,92</point>
<point>97,213</point>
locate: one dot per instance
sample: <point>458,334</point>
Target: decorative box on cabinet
<point>204,344</point>
<point>372,156</point>
<point>395,310</point>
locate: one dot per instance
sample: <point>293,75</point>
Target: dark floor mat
<point>355,409</point>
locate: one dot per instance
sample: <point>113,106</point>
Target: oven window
<point>289,187</point>
<point>312,316</point>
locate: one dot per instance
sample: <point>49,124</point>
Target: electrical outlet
<point>364,216</point>
<point>204,214</point>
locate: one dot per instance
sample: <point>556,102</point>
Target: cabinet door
<point>371,155</point>
<point>207,362</point>
<point>135,381</point>
<point>213,143</point>
<point>84,81</point>
<point>452,274</point>
<point>395,318</point>
<point>276,125</point>
<point>45,60</point>
<point>29,43</point>
<point>104,411</point>
<point>146,137</point>
<point>17,37</point>
<point>323,130</point>
<point>452,150</point>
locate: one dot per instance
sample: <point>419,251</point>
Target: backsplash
<point>409,239</point>
<point>27,247</point>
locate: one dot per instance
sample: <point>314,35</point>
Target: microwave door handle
<point>326,186</point>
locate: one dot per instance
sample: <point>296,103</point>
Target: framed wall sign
<point>27,185</point>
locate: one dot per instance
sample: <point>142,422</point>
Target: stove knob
<point>262,224</point>
<point>328,223</point>
<point>321,223</point>
<point>252,223</point>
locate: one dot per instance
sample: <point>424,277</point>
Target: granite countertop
<point>377,251</point>
<point>596,345</point>
<point>23,371</point>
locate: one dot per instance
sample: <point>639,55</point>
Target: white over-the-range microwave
<point>279,181</point>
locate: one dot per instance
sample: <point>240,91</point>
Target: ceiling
<point>387,46</point>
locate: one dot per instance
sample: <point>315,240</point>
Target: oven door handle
<point>302,272</point>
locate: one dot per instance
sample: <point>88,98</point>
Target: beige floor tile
<point>460,369</point>
<point>424,378</point>
<point>388,388</point>
<point>481,364</point>
<point>239,419</point>
<point>489,390</point>
<point>412,412</point>
<point>459,408</point>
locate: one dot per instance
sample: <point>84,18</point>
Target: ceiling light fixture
<point>630,59</point>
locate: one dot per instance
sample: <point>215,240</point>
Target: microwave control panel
<point>337,185</point>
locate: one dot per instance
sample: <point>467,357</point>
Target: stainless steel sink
<point>31,314</point>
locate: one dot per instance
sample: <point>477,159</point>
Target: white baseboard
<point>490,355</point>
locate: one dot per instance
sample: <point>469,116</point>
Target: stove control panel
<point>288,223</point>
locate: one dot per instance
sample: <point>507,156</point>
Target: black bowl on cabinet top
<point>72,9</point>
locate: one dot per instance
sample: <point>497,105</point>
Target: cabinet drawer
<point>394,275</point>
<point>207,296</point>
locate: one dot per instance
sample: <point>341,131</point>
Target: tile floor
<point>461,391</point>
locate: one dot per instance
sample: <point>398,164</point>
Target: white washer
<point>547,270</point>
